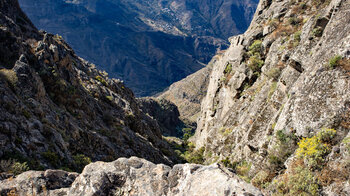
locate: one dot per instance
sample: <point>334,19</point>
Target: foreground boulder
<point>133,176</point>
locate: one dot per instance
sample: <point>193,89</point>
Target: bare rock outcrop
<point>133,176</point>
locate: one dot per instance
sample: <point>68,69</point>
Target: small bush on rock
<point>50,156</point>
<point>274,73</point>
<point>313,149</point>
<point>255,48</point>
<point>195,156</point>
<point>228,68</point>
<point>333,62</point>
<point>255,63</point>
<point>80,161</point>
<point>242,169</point>
<point>13,166</point>
<point>298,181</point>
<point>262,179</point>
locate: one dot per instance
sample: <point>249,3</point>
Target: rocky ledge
<point>133,176</point>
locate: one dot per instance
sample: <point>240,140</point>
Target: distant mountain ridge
<point>148,44</point>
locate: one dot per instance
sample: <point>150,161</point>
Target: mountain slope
<point>145,43</point>
<point>58,110</point>
<point>286,78</point>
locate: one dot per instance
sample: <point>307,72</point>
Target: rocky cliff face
<point>132,176</point>
<point>58,109</point>
<point>148,44</point>
<point>285,79</point>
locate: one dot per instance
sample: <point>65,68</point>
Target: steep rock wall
<point>277,78</point>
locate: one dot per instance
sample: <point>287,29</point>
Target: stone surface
<point>38,182</point>
<point>133,176</point>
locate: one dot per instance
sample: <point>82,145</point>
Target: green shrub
<point>333,62</point>
<point>194,156</point>
<point>313,149</point>
<point>283,148</point>
<point>18,168</point>
<point>293,21</point>
<point>274,73</point>
<point>299,180</point>
<point>228,68</point>
<point>274,160</point>
<point>255,48</point>
<point>262,179</point>
<point>272,90</point>
<point>303,181</point>
<point>109,98</point>
<point>255,63</point>
<point>317,32</point>
<point>13,166</point>
<point>227,131</point>
<point>302,5</point>
<point>297,36</point>
<point>273,22</point>
<point>281,136</point>
<point>100,79</point>
<point>50,156</point>
<point>80,161</point>
<point>223,79</point>
<point>346,141</point>
<point>242,169</point>
<point>296,39</point>
<point>187,133</point>
<point>227,163</point>
<point>326,135</point>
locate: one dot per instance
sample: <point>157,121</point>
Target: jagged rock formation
<point>148,44</point>
<point>132,176</point>
<point>56,107</point>
<point>281,81</point>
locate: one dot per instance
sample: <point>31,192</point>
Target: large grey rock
<point>133,176</point>
<point>37,182</point>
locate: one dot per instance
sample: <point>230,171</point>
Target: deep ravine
<point>274,118</point>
